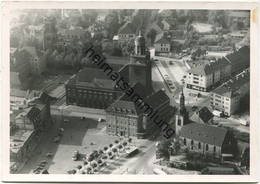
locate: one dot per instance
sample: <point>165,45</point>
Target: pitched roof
<point>207,67</point>
<point>92,77</point>
<point>127,28</point>
<point>239,60</point>
<point>160,38</point>
<point>230,88</point>
<point>204,133</point>
<point>157,99</point>
<point>204,114</point>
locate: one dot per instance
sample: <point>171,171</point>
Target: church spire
<point>182,103</point>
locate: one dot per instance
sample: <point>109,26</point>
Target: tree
<point>127,47</point>
<point>110,145</point>
<point>116,141</point>
<point>105,148</point>
<point>112,23</point>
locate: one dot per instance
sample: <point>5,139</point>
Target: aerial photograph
<point>130,92</point>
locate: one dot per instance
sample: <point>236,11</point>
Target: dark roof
<point>230,88</point>
<point>156,99</point>
<point>239,60</point>
<point>204,133</point>
<point>127,28</point>
<point>207,67</point>
<point>139,89</point>
<point>92,77</point>
<point>33,112</point>
<point>204,114</point>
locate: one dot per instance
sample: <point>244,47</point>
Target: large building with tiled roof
<point>126,117</point>
<point>92,87</point>
<point>226,98</point>
<point>207,140</point>
<point>202,77</point>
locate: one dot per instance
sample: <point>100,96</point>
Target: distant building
<point>239,60</point>
<point>202,77</point>
<point>207,140</point>
<point>162,44</point>
<point>226,98</point>
<point>202,115</point>
<point>242,16</point>
<point>126,32</point>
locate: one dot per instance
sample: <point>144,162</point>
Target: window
<point>207,147</point>
<point>179,122</point>
<point>184,141</point>
<point>214,149</point>
<point>199,146</point>
<point>192,142</point>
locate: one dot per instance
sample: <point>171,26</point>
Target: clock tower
<point>140,64</point>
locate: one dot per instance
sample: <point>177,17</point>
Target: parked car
<point>75,156</point>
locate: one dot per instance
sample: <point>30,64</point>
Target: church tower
<point>140,64</point>
<point>182,117</point>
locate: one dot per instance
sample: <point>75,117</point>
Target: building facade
<point>207,140</point>
<point>226,98</point>
<point>202,77</point>
<point>91,88</point>
<point>162,44</point>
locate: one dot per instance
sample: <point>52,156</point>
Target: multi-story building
<point>239,60</point>
<point>162,44</point>
<point>203,76</point>
<point>226,98</point>
<point>125,117</point>
<point>91,87</point>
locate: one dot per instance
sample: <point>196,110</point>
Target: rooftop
<point>19,138</point>
<point>204,133</point>
<point>230,88</point>
<point>206,67</point>
<point>92,77</point>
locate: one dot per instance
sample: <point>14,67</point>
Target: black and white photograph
<point>129,91</point>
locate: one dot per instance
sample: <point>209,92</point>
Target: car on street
<point>75,156</point>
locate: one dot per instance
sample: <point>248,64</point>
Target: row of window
<point>199,145</point>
